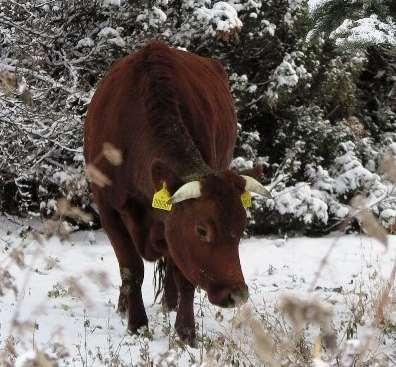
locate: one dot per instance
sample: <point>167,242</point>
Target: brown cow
<point>171,115</point>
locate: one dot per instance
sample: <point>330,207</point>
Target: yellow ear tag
<point>162,199</point>
<point>246,199</point>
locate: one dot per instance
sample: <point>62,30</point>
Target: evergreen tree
<point>349,22</point>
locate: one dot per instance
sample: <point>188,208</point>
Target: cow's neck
<point>177,148</point>
<point>170,131</point>
<point>195,171</point>
<point>185,160</point>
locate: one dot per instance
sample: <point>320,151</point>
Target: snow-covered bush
<point>287,75</point>
<point>369,30</point>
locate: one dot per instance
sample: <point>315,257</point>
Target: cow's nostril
<point>229,298</point>
<point>239,297</point>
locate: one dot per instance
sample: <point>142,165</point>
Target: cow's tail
<point>159,276</point>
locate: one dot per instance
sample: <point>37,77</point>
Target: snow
<point>365,30</point>
<point>112,2</point>
<point>112,36</point>
<point>270,27</point>
<point>287,75</point>
<point>222,15</point>
<point>33,358</point>
<point>392,147</point>
<point>117,41</point>
<point>352,174</point>
<point>368,30</point>
<point>61,177</point>
<point>352,179</point>
<point>388,217</point>
<point>301,201</point>
<point>88,325</point>
<point>294,7</point>
<point>107,32</point>
<point>23,360</point>
<point>240,163</point>
<point>154,17</point>
<point>159,14</point>
<point>314,3</point>
<point>85,42</point>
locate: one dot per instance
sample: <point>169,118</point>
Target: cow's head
<point>203,231</point>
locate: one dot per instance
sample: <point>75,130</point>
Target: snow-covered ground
<point>84,329</point>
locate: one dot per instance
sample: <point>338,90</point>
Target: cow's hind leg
<point>170,296</point>
<point>131,268</point>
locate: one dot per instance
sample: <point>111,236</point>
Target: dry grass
<point>111,155</point>
<point>10,83</point>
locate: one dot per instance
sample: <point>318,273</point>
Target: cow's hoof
<point>169,303</point>
<point>138,326</point>
<point>187,336</point>
<point>122,304</point>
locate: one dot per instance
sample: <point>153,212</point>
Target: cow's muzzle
<point>229,298</point>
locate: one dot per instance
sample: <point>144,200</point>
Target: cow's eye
<point>202,233</point>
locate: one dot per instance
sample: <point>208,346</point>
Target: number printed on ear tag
<point>246,199</point>
<point>162,199</point>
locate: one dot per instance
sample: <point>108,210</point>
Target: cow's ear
<point>255,172</point>
<point>161,173</point>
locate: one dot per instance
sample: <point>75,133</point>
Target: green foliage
<point>377,88</point>
<point>305,137</point>
<point>340,95</point>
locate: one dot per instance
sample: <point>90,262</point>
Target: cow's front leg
<point>131,267</point>
<point>185,324</point>
<point>130,298</point>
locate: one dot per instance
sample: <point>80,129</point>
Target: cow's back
<point>136,104</point>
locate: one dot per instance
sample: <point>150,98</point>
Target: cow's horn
<point>190,190</point>
<point>253,185</point>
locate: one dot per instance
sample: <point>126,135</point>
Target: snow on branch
<point>369,30</point>
<point>222,18</point>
